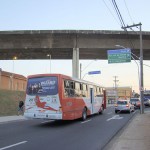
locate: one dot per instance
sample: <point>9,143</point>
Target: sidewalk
<point>11,118</point>
<point>135,136</point>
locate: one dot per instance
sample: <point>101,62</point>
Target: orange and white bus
<point>60,97</point>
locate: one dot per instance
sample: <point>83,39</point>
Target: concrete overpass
<point>69,44</point>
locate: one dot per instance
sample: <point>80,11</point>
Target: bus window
<point>85,91</point>
<point>69,88</point>
<point>42,86</point>
<point>77,89</point>
<point>81,86</point>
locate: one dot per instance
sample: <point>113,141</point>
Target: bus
<point>60,97</point>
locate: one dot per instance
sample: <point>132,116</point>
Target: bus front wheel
<point>84,114</point>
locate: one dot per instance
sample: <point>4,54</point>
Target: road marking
<point>115,117</point>
<point>134,112</point>
<point>46,121</point>
<point>86,121</point>
<point>13,145</point>
<point>109,113</point>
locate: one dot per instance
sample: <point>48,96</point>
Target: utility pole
<point>115,81</point>
<point>80,70</point>
<point>141,66</point>
<point>116,95</point>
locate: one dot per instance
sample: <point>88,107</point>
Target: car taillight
<point>116,105</point>
<point>138,103</point>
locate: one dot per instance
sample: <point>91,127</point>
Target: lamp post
<point>12,77</point>
<point>140,73</point>
<point>81,70</point>
<point>0,78</point>
<point>49,55</point>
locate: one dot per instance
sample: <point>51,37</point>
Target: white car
<point>124,106</point>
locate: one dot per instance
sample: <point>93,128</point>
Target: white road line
<point>109,113</point>
<point>115,117</point>
<point>135,111</point>
<point>86,121</point>
<point>13,145</point>
<point>46,121</point>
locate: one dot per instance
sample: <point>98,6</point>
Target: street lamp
<point>134,61</point>
<point>81,70</point>
<point>141,64</point>
<point>0,78</point>
<point>12,77</point>
<point>49,55</point>
<point>140,76</point>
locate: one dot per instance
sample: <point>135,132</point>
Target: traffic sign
<point>94,72</point>
<point>119,55</point>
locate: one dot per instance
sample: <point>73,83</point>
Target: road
<point>92,134</point>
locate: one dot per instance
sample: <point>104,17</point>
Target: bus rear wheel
<point>101,110</point>
<point>84,114</point>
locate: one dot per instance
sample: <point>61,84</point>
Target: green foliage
<point>9,101</point>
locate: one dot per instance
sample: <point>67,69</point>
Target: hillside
<point>9,102</point>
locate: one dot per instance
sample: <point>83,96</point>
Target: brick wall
<point>10,81</point>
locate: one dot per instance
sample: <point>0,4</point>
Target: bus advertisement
<point>60,97</point>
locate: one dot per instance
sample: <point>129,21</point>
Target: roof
<point>10,74</point>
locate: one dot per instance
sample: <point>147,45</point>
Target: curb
<point>11,118</point>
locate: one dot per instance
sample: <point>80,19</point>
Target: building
<point>11,81</point>
<point>113,94</point>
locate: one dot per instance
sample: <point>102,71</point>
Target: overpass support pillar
<point>75,63</point>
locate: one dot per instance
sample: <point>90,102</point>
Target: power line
<point>111,12</point>
<point>122,23</point>
<point>118,13</point>
<point>128,12</point>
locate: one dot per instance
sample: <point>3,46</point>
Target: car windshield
<point>122,102</point>
<point>134,100</point>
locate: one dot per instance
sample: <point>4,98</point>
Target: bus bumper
<point>43,116</point>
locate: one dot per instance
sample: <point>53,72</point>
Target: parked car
<point>136,102</point>
<point>146,102</point>
<point>124,106</point>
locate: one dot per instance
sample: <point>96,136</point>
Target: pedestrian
<point>20,107</point>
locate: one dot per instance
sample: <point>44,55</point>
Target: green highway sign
<point>119,56</point>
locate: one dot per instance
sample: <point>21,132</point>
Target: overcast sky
<point>76,15</point>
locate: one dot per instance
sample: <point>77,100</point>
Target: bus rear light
<point>60,109</point>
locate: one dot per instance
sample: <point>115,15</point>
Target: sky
<point>76,15</point>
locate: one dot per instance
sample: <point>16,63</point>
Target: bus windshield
<point>42,86</point>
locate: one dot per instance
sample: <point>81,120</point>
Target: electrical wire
<point>118,13</point>
<point>128,12</point>
<point>111,12</point>
<point>122,23</point>
<point>138,58</point>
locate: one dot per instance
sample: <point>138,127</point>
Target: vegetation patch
<point>9,101</point>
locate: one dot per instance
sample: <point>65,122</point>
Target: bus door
<point>92,100</point>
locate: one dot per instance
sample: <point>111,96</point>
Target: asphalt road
<point>92,134</point>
